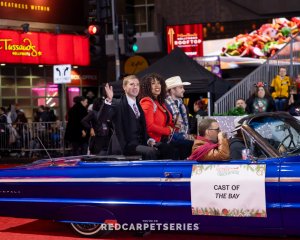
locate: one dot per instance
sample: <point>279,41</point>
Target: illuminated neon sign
<point>188,37</point>
<point>43,48</point>
<point>26,49</point>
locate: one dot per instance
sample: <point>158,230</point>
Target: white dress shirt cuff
<point>107,102</point>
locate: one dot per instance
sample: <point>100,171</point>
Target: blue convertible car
<point>90,192</point>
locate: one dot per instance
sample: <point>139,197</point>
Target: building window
<point>29,87</point>
<point>144,15</point>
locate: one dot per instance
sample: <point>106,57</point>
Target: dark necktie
<point>136,111</point>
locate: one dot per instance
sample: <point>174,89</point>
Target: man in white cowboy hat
<point>175,89</point>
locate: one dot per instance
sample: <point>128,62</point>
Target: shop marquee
<point>43,48</point>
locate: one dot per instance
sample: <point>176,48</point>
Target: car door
<point>284,130</point>
<point>176,203</point>
<point>133,190</point>
<point>289,193</point>
<point>130,191</point>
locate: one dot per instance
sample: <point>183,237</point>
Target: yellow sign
<point>24,6</point>
<point>135,64</point>
<point>28,49</point>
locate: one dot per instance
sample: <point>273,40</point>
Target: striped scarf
<point>179,113</point>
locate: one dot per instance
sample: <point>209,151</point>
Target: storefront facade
<point>34,37</point>
<point>30,86</point>
<point>27,61</point>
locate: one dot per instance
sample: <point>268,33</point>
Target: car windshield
<point>281,134</point>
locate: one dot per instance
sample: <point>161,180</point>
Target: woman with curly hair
<point>159,122</point>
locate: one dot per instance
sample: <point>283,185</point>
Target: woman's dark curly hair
<point>145,87</point>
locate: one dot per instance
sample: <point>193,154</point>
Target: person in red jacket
<point>159,122</point>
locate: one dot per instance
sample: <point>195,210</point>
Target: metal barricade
<point>33,138</point>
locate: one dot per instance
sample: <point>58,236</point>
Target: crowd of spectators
<point>283,94</point>
<point>18,135</point>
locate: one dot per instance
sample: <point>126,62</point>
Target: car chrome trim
<point>290,179</point>
<point>80,201</point>
<point>176,179</point>
<point>271,179</point>
<point>62,179</point>
<point>268,179</point>
<point>164,203</point>
<point>124,179</point>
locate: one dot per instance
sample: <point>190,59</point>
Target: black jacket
<point>91,121</point>
<point>118,113</point>
<point>74,127</point>
<point>236,145</point>
<point>3,122</point>
<point>194,121</point>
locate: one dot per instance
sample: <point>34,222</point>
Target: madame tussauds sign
<point>25,49</point>
<point>43,48</point>
<point>228,190</point>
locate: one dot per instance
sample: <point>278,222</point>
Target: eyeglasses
<point>216,129</point>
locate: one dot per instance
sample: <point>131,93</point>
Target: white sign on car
<point>228,190</point>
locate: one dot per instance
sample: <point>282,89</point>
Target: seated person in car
<point>211,144</point>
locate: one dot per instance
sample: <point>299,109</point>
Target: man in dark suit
<point>127,116</point>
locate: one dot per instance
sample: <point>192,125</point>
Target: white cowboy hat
<point>175,82</point>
